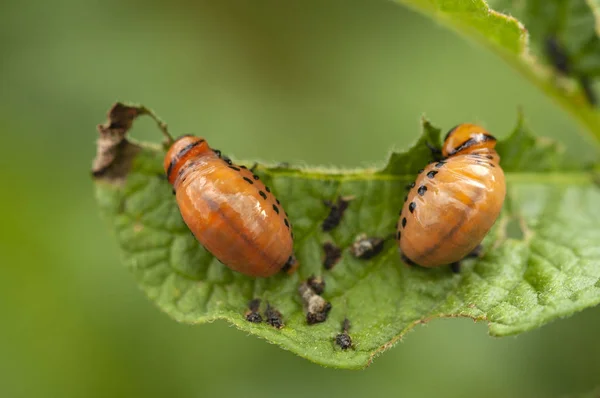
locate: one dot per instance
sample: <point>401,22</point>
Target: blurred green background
<point>334,83</point>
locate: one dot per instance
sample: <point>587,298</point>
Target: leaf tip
<point>114,153</point>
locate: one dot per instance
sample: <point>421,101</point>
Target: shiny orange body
<point>228,209</point>
<point>454,202</point>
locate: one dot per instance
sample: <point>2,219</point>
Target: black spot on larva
<point>407,260</point>
<point>217,152</point>
<point>412,206</point>
<point>474,140</point>
<point>277,200</point>
<point>227,160</point>
<point>490,157</point>
<point>175,159</point>
<point>492,165</point>
<point>422,189</point>
<point>286,222</point>
<point>403,222</point>
<point>412,185</point>
<point>290,265</point>
<point>249,181</point>
<point>440,164</point>
<point>406,198</point>
<point>243,167</point>
<point>234,168</point>
<point>420,171</point>
<point>398,235</point>
<point>267,189</point>
<point>264,195</point>
<point>255,176</point>
<point>276,209</point>
<point>450,132</point>
<point>432,174</point>
<point>292,235</point>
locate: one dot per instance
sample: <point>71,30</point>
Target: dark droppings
<point>316,307</point>
<point>365,247</point>
<point>252,315</point>
<point>316,283</point>
<point>336,212</point>
<point>273,317</point>
<point>320,316</point>
<point>343,340</point>
<point>332,255</point>
<point>254,304</point>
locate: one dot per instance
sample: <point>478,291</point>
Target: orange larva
<point>228,209</point>
<point>454,202</point>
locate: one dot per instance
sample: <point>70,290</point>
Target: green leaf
<point>541,261</point>
<point>575,24</point>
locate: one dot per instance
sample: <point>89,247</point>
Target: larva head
<point>466,138</point>
<point>183,148</point>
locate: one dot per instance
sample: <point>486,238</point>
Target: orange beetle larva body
<point>454,202</point>
<point>228,209</point>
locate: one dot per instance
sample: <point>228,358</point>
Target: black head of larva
<point>465,138</point>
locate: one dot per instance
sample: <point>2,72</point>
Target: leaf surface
<point>541,261</point>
